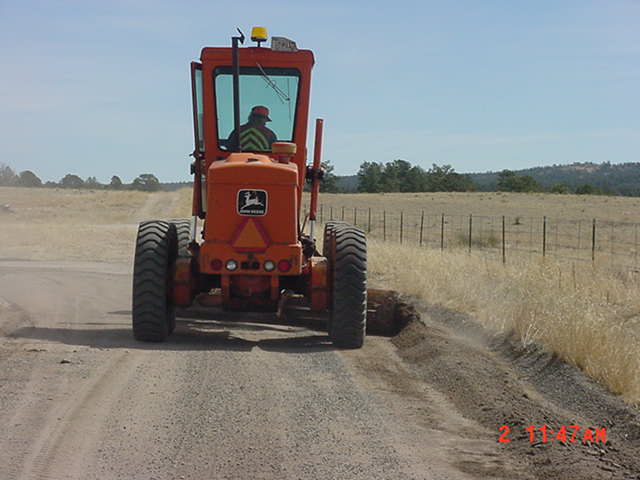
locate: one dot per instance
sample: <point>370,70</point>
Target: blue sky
<point>102,88</point>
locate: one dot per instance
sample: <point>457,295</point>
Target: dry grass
<point>590,318</point>
<point>56,224</point>
<point>446,219</point>
<point>619,209</point>
<point>50,206</point>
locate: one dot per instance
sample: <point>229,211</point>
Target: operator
<point>254,135</point>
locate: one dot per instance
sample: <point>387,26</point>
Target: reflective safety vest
<point>254,139</point>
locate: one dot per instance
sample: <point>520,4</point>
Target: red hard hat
<point>260,110</point>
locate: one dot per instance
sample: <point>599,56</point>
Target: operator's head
<point>259,114</point>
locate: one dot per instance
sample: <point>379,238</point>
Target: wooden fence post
<point>504,252</point>
<point>442,233</point>
<point>544,236</point>
<point>401,224</point>
<point>369,223</point>
<point>384,225</point>
<point>612,242</point>
<point>593,241</point>
<point>635,242</point>
<point>422,226</point>
<point>470,227</point>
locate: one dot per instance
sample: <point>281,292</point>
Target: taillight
<point>231,265</point>
<point>216,264</point>
<point>269,265</point>
<point>284,265</point>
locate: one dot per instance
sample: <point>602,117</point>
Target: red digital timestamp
<point>564,434</point>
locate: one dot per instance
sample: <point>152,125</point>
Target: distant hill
<point>620,179</point>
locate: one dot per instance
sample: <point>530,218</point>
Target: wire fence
<point>589,240</point>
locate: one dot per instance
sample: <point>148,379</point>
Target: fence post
<point>422,226</point>
<point>611,241</point>
<point>321,212</point>
<point>635,241</point>
<point>544,236</point>
<point>331,212</point>
<point>401,224</point>
<point>470,227</point>
<point>369,223</point>
<point>355,216</point>
<point>593,241</point>
<point>442,233</point>
<point>384,225</point>
<point>342,213</point>
<point>504,253</point>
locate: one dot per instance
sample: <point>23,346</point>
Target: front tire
<point>348,259</point>
<point>153,308</point>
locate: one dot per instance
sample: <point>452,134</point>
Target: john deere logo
<point>252,203</point>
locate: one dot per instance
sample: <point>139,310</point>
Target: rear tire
<point>329,231</point>
<point>328,241</point>
<point>348,261</point>
<point>183,233</point>
<point>153,309</point>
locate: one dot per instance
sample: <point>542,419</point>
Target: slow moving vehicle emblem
<point>252,203</point>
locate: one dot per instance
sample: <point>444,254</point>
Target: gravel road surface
<point>235,399</point>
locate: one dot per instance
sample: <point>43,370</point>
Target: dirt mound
<point>495,381</point>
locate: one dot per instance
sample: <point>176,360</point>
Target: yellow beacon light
<point>259,34</point>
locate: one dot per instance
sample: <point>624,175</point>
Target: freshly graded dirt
<point>495,381</point>
<point>231,398</point>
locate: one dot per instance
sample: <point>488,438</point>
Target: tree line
<point>9,178</point>
<point>401,176</point>
<point>509,181</point>
<point>372,177</point>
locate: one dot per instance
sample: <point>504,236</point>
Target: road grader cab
<point>250,115</point>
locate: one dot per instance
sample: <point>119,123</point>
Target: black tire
<point>327,246</point>
<point>153,309</point>
<point>183,230</point>
<point>329,230</point>
<point>183,233</point>
<point>348,253</point>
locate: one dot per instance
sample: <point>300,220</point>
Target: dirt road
<point>79,398</point>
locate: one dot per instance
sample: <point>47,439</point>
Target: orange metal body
<point>230,234</point>
<point>273,236</point>
<point>318,288</point>
<point>213,57</point>
<point>183,282</point>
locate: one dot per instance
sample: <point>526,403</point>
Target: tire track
<point>65,444</point>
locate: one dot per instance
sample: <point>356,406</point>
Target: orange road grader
<point>250,114</point>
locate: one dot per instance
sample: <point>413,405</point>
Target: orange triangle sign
<point>250,237</point>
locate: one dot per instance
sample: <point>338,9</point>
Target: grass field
<point>574,207</point>
<point>564,227</point>
<point>52,224</point>
<point>589,316</point>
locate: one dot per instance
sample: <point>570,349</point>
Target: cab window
<point>273,88</point>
